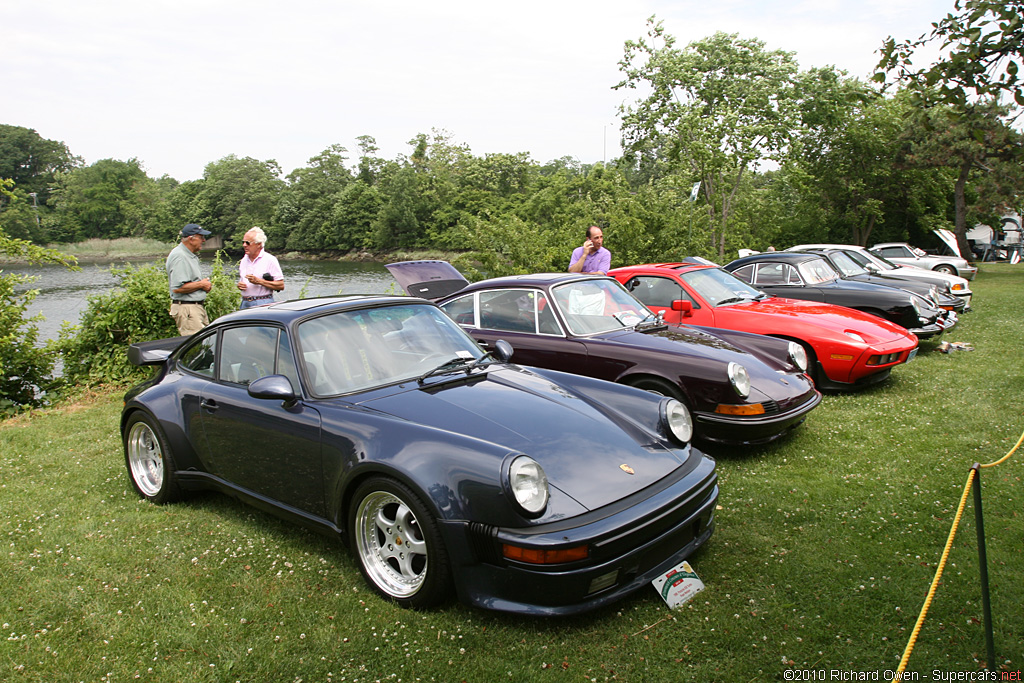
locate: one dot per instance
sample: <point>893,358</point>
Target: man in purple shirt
<point>591,257</point>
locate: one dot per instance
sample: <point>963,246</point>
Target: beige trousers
<point>190,318</point>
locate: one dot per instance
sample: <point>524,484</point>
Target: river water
<point>63,294</point>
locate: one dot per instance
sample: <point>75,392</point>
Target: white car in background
<point>906,255</point>
<point>949,284</point>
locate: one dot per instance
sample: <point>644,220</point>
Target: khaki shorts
<point>190,318</point>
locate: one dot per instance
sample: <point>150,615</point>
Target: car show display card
<point>678,585</point>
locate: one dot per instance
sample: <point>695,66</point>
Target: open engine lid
<point>429,279</point>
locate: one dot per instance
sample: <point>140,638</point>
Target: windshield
<point>717,286</point>
<point>866,257</point>
<point>817,271</point>
<point>846,265</point>
<point>598,305</point>
<point>355,350</point>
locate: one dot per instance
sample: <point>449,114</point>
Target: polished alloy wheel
<point>145,459</point>
<point>390,544</point>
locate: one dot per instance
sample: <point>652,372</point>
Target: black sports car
<point>379,421</point>
<point>740,387</point>
<point>849,268</point>
<point>809,276</point>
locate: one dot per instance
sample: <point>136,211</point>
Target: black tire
<point>945,268</point>
<point>398,544</point>
<point>658,386</point>
<point>149,461</point>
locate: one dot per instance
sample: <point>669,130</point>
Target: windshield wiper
<point>650,321</point>
<point>448,365</point>
<point>733,300</point>
<point>467,364</point>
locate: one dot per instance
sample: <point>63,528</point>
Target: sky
<point>180,84</point>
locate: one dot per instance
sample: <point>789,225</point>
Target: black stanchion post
<point>986,602</point>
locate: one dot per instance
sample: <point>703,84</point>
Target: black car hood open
<point>579,446</point>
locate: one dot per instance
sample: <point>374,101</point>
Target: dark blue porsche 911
<point>447,470</point>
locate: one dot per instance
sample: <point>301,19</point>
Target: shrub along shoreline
<point>825,546</point>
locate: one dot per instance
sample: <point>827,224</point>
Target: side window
<point>247,353</point>
<point>461,310</point>
<point>286,362</point>
<point>507,311</point>
<point>776,274</point>
<point>199,358</point>
<point>656,291</point>
<point>770,274</point>
<point>547,324</point>
<point>746,273</point>
<point>894,252</point>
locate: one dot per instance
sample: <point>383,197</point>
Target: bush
<point>25,368</point>
<point>96,350</point>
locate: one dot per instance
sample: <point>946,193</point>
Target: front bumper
<point>846,371</point>
<point>778,421</point>
<point>631,542</point>
<point>928,331</point>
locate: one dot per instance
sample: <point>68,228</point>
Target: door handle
<point>209,404</point>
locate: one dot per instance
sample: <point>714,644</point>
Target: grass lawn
<point>825,548</point>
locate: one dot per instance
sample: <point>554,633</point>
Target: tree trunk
<point>960,204</point>
<point>862,235</point>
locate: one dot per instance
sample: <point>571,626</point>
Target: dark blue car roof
<point>286,311</point>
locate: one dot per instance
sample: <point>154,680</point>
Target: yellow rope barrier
<point>942,562</point>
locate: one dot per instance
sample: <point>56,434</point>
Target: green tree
<point>305,211</point>
<point>978,147</point>
<point>106,200</point>
<point>397,225</point>
<point>850,155</point>
<point>234,195</point>
<point>982,53</point>
<point>352,219</point>
<point>369,165</point>
<point>717,109</point>
<point>20,217</point>
<point>31,161</point>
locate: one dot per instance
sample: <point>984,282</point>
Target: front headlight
<point>739,379</point>
<point>915,303</point>
<point>798,355</point>
<point>677,418</point>
<point>854,336</point>
<point>529,484</point>
<point>934,292</point>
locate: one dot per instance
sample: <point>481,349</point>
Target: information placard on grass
<point>678,585</point>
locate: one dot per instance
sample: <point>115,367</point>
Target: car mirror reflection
<point>273,387</point>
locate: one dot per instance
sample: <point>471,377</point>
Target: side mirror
<point>684,305</point>
<point>502,350</point>
<point>273,387</point>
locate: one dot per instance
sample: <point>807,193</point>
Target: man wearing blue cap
<point>187,285</point>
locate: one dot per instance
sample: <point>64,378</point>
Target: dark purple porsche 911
<point>741,388</point>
